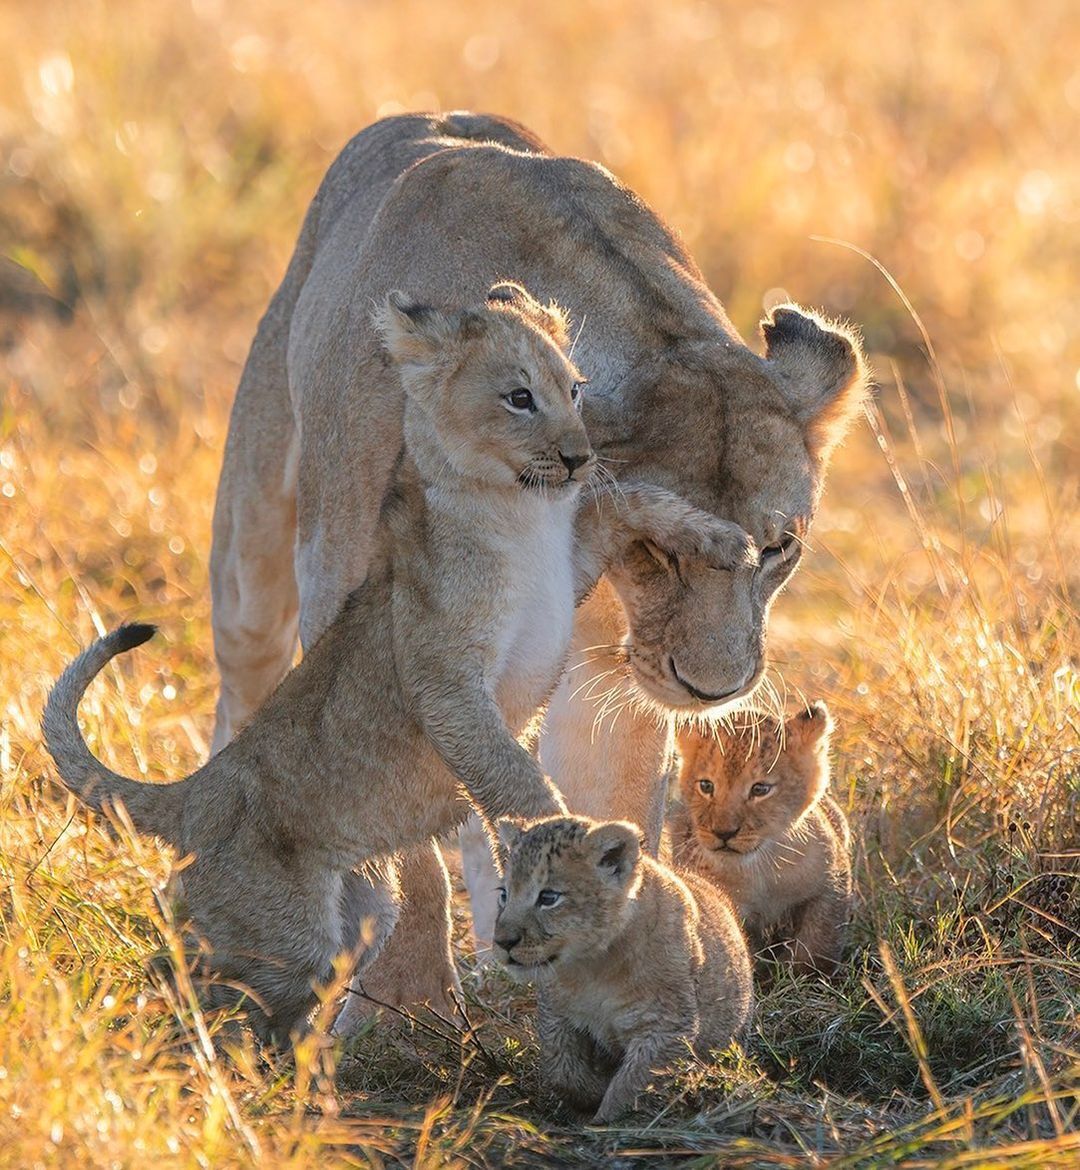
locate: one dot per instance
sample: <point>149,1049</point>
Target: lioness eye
<point>548,898</point>
<point>502,895</point>
<point>781,549</point>
<point>521,399</point>
<point>760,789</point>
<point>706,786</point>
<point>575,391</point>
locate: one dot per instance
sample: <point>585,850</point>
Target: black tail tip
<point>132,635</point>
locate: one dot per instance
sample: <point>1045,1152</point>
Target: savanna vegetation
<point>911,167</point>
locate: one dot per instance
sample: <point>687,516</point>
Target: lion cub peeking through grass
<point>634,964</point>
<point>403,716</point>
<point>757,819</point>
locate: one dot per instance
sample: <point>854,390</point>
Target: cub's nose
<point>507,940</point>
<point>573,462</point>
<point>725,835</point>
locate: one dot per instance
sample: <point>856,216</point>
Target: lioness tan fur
<point>449,204</point>
<point>405,707</point>
<point>635,964</point>
<point>757,819</point>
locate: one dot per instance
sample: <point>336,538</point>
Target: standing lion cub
<point>757,819</point>
<point>403,716</point>
<point>634,963</point>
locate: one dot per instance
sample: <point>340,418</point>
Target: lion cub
<point>757,819</point>
<point>634,963</point>
<point>404,715</point>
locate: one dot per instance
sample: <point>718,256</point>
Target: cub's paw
<point>724,545</point>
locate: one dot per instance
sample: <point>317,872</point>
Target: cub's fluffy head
<point>494,386</point>
<point>752,785</point>
<point>568,888</point>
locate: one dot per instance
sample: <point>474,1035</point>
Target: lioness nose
<point>506,940</point>
<point>573,462</point>
<point>725,835</point>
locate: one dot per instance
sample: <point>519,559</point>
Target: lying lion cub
<point>635,964</point>
<point>757,819</point>
<point>398,718</point>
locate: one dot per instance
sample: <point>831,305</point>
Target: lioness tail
<point>153,808</point>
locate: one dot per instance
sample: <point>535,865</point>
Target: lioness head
<point>494,386</point>
<point>567,887</point>
<point>745,438</point>
<point>755,783</point>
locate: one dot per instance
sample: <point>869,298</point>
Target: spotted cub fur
<point>635,965</point>
<point>757,819</point>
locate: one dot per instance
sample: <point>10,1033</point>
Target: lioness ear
<point>822,371</point>
<point>615,848</point>
<point>810,728</point>
<point>415,334</point>
<point>549,318</point>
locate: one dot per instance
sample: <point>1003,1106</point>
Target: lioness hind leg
<point>252,576</point>
<point>481,874</point>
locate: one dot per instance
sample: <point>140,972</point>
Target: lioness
<point>636,963</point>
<point>450,203</point>
<point>757,819</point>
<point>461,626</point>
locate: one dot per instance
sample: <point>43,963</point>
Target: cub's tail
<point>153,808</point>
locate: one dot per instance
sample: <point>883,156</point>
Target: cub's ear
<point>822,369</point>
<point>509,833</point>
<point>810,728</point>
<point>415,334</point>
<point>615,848</point>
<point>549,318</point>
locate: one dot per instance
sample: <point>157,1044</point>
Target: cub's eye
<point>784,549</point>
<point>521,399</point>
<point>502,895</point>
<point>707,787</point>
<point>575,391</point>
<point>548,898</point>
<point>760,789</point>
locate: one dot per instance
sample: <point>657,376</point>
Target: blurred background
<point>156,160</point>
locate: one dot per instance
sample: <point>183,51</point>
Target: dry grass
<point>155,160</point>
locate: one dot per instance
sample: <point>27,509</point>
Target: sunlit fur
<point>635,964</point>
<point>782,856</point>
